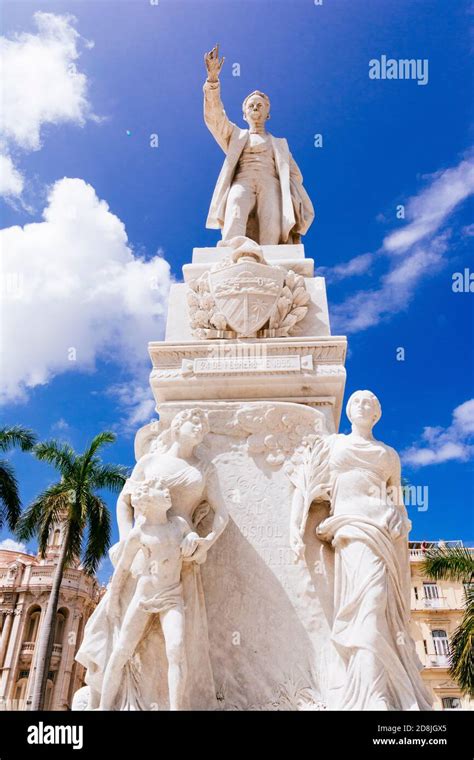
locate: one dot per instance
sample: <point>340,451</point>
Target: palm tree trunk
<point>48,629</point>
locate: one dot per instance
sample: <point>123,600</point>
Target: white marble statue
<point>138,640</point>
<point>259,192</point>
<point>158,544</point>
<point>377,665</point>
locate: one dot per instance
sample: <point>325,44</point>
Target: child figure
<point>154,552</point>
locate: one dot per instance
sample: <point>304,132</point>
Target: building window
<point>20,691</point>
<point>48,700</point>
<point>416,593</point>
<point>440,642</point>
<point>431,590</point>
<point>60,623</point>
<point>425,645</point>
<point>451,703</point>
<point>32,625</point>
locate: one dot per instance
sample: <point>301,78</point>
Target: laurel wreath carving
<point>291,306</point>
<point>208,322</point>
<point>202,308</point>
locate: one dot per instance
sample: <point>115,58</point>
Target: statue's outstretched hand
<point>189,544</point>
<point>213,64</point>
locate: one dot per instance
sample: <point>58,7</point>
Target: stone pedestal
<point>307,367</point>
<point>269,616</point>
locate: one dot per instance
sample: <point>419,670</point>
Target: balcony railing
<point>434,603</point>
<point>76,578</point>
<point>437,660</point>
<point>42,571</point>
<point>417,554</point>
<point>28,647</point>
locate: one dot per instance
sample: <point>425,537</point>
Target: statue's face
<point>256,111</point>
<point>160,497</point>
<point>192,430</point>
<point>363,408</point>
<point>151,496</point>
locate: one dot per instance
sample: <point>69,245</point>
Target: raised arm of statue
<point>214,115</point>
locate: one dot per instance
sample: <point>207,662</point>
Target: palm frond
<point>462,648</point>
<point>101,439</point>
<point>74,500</point>
<point>16,436</point>
<point>110,476</point>
<point>48,508</point>
<point>59,455</point>
<point>449,563</point>
<point>99,531</point>
<point>10,504</point>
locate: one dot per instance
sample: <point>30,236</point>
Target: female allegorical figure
<point>144,685</point>
<point>368,528</point>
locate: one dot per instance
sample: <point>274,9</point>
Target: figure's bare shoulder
<point>394,455</point>
<point>391,452</point>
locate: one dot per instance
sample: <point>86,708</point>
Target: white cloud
<point>61,427</point>
<point>10,545</point>
<point>396,289</point>
<point>11,181</point>
<point>429,209</point>
<point>41,85</point>
<point>440,444</point>
<point>136,399</point>
<point>74,291</point>
<point>352,268</point>
<point>464,418</point>
<point>415,252</point>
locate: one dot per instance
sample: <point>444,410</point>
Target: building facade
<point>25,585</point>
<point>437,609</point>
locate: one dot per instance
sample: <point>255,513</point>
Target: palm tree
<point>85,519</point>
<point>10,504</point>
<point>457,564</point>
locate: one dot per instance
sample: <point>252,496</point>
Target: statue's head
<point>256,108</point>
<point>364,407</point>
<point>151,493</point>
<point>190,426</point>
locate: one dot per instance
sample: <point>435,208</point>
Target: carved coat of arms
<point>246,293</point>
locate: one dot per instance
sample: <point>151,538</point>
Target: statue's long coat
<point>297,209</point>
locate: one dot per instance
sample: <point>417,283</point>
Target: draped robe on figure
<point>370,632</point>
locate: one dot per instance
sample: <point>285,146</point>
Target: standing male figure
<point>259,193</point>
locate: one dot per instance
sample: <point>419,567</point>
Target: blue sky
<point>91,98</point>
